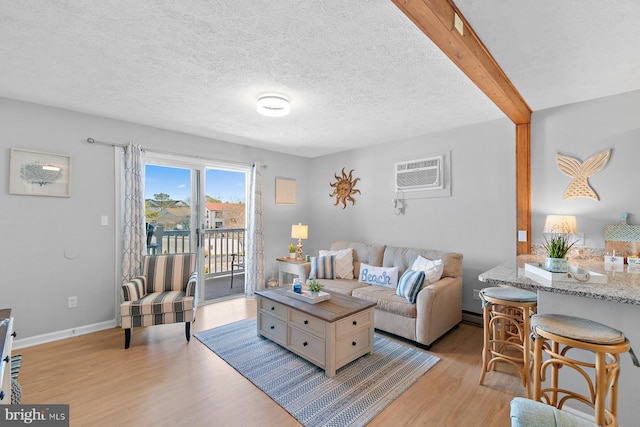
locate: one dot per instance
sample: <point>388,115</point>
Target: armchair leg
<point>127,338</point>
<point>187,330</point>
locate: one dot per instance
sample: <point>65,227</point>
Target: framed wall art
<point>34,173</point>
<point>285,191</point>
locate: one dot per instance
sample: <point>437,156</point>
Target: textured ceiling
<point>357,73</point>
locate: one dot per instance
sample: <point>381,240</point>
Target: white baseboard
<point>60,335</point>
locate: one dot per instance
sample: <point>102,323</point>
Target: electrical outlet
<point>476,294</point>
<point>73,302</point>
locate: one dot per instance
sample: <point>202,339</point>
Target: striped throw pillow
<point>410,284</point>
<point>322,267</point>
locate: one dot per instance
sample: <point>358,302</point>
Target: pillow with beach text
<point>380,276</point>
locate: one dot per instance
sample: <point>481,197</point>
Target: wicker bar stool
<point>506,316</point>
<point>556,335</point>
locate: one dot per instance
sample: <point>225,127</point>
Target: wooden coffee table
<point>329,334</point>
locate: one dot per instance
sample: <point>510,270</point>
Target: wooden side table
<point>291,266</point>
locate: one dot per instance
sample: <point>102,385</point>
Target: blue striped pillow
<point>410,284</point>
<point>323,267</point>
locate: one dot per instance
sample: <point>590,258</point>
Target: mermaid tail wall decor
<point>580,172</point>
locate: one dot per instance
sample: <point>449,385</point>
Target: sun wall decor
<point>580,172</point>
<point>344,188</point>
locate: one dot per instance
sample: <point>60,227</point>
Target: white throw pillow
<point>343,262</point>
<point>432,269</point>
<point>381,276</point>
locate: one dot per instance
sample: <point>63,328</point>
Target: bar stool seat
<point>506,316</point>
<point>556,335</point>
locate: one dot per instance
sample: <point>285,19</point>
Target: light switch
<point>522,235</point>
<point>104,220</point>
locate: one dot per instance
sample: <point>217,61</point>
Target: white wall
<point>37,278</point>
<point>582,130</point>
<point>478,220</point>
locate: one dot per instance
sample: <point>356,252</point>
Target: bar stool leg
<point>537,368</point>
<point>613,403</point>
<point>601,388</point>
<point>485,347</point>
<point>526,350</point>
<point>555,348</point>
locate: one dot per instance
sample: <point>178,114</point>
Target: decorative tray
<point>307,297</point>
<point>574,275</point>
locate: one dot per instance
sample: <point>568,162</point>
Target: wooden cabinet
<point>326,342</point>
<point>6,337</point>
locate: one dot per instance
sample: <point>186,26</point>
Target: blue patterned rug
<point>358,392</point>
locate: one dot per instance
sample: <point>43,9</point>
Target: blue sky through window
<point>228,186</point>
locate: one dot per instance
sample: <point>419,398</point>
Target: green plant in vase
<point>314,285</point>
<point>557,249</point>
<point>292,250</point>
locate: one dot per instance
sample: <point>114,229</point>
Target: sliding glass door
<point>199,207</point>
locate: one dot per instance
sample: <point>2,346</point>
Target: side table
<point>291,266</point>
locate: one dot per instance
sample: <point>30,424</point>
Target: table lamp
<point>299,232</point>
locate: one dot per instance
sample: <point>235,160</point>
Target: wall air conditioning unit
<point>420,174</point>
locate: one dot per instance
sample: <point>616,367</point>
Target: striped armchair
<point>164,293</point>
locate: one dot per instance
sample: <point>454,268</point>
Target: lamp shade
<point>299,231</point>
<point>562,224</point>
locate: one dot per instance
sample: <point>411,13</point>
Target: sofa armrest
<point>191,287</point>
<point>439,308</point>
<point>134,289</point>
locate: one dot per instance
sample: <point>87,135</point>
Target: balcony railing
<point>222,248</point>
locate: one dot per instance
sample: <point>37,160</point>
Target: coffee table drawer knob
<point>353,343</point>
<point>305,343</point>
<point>355,322</point>
<point>272,327</point>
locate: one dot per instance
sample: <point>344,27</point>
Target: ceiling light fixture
<point>273,105</point>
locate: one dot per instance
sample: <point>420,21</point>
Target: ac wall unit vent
<point>420,174</point>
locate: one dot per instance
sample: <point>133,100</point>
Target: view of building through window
<point>168,198</point>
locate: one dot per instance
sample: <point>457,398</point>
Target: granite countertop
<point>622,286</point>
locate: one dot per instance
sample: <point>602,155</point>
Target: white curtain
<point>134,240</point>
<point>255,238</point>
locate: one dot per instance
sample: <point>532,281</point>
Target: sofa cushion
<point>410,284</point>
<point>386,300</point>
<point>403,258</point>
<point>432,269</point>
<point>362,253</point>
<point>343,286</point>
<point>379,276</point>
<point>343,262</point>
<point>322,267</point>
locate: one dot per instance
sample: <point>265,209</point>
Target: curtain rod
<point>113,144</point>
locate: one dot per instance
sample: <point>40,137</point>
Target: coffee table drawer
<point>274,328</point>
<point>307,345</point>
<point>352,323</point>
<point>304,321</point>
<point>349,346</point>
<point>273,308</point>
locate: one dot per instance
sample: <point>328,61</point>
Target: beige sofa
<point>438,307</point>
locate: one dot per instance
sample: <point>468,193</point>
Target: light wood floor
<point>164,381</point>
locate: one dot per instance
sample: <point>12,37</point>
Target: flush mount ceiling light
<point>273,105</point>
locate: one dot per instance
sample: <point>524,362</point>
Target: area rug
<point>358,392</point>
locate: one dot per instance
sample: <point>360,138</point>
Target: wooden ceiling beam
<point>436,19</point>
